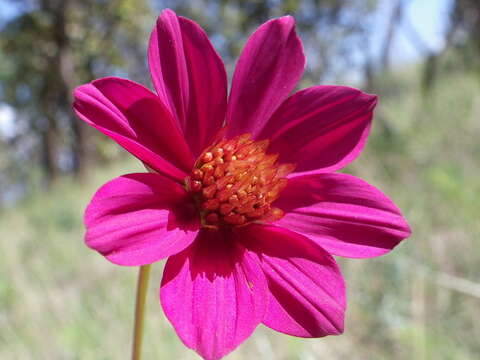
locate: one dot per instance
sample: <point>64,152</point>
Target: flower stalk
<point>142,286</point>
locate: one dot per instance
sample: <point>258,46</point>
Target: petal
<point>342,213</point>
<point>307,289</point>
<point>214,294</point>
<point>137,219</point>
<point>268,69</point>
<point>322,127</point>
<point>136,119</point>
<point>189,76</point>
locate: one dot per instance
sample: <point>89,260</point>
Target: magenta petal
<point>214,294</point>
<point>307,289</point>
<point>342,213</point>
<point>189,76</point>
<point>137,219</point>
<point>136,119</point>
<point>268,69</point>
<point>321,128</point>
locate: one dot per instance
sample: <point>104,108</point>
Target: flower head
<point>243,197</point>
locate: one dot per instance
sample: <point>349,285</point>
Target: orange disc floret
<point>235,182</point>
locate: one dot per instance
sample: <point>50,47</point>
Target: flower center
<point>235,182</point>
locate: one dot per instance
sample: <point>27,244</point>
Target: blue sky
<point>428,18</point>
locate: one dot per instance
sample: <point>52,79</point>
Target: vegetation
<point>60,300</point>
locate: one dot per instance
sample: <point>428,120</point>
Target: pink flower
<point>243,198</point>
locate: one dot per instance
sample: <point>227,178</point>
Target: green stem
<point>142,285</point>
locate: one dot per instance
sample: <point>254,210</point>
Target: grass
<point>60,300</point>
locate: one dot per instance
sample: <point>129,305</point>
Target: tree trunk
<point>395,19</point>
<point>49,151</point>
<point>67,82</point>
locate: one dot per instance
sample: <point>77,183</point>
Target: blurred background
<point>59,300</point>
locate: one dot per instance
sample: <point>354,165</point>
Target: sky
<point>428,18</point>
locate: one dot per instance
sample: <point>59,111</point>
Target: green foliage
<point>59,299</point>
<point>428,164</point>
<point>62,300</point>
<point>46,50</point>
<point>330,29</point>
